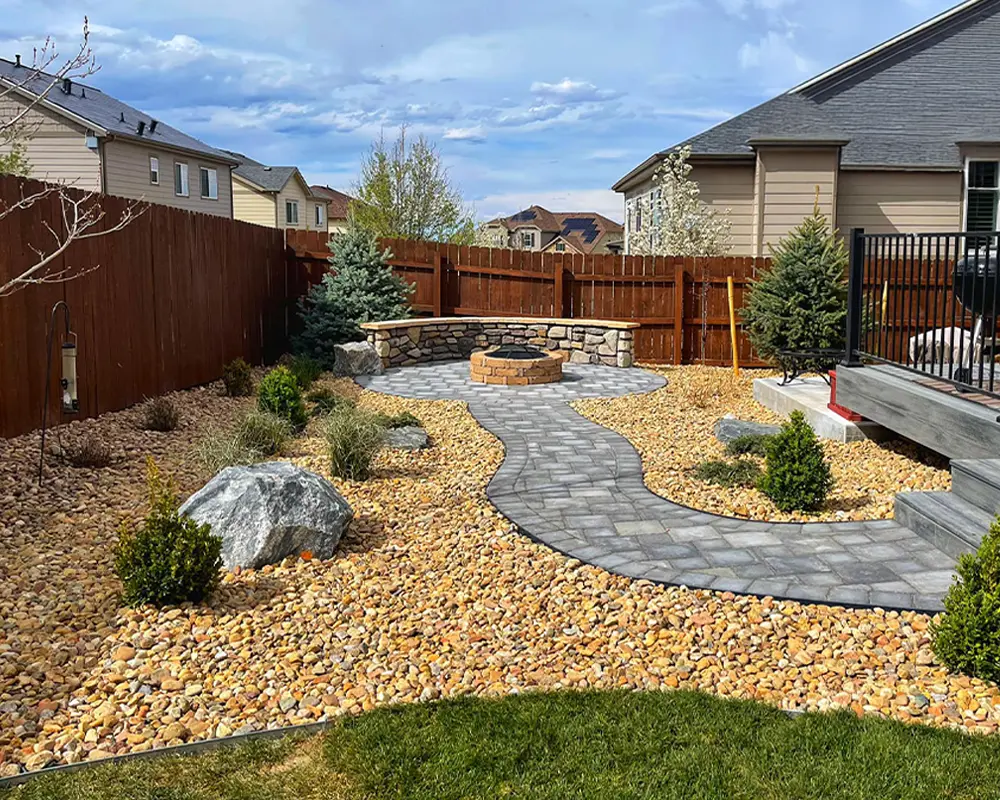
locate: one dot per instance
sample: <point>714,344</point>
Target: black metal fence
<point>927,303</point>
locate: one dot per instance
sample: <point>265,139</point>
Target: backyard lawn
<point>570,745</point>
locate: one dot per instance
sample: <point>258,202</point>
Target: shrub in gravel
<point>404,420</point>
<point>159,414</point>
<point>305,369</point>
<point>326,401</point>
<point>238,378</point>
<point>279,393</point>
<point>753,444</point>
<point>89,453</point>
<point>168,559</point>
<point>967,639</point>
<point>797,477</point>
<point>741,472</point>
<point>254,438</point>
<point>353,439</point>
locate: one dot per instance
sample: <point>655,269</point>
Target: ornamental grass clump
<point>354,437</point>
<point>326,401</point>
<point>159,414</point>
<point>742,472</point>
<point>255,437</point>
<point>751,444</point>
<point>237,376</point>
<point>796,477</point>
<point>305,369</point>
<point>169,558</point>
<point>279,393</point>
<point>967,639</point>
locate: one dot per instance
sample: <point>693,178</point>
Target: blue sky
<point>548,101</point>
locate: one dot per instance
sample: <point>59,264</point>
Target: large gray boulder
<point>729,428</point>
<point>356,358</point>
<point>267,512</point>
<point>409,437</point>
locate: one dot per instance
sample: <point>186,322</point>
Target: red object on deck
<point>846,413</point>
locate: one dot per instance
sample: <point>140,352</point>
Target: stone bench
<point>402,343</point>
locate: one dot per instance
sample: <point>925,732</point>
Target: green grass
<point>658,746</point>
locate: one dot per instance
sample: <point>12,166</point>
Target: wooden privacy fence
<point>681,303</point>
<point>175,297</point>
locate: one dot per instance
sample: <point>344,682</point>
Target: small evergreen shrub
<point>404,420</point>
<point>279,393</point>
<point>742,473</point>
<point>326,401</point>
<point>753,444</point>
<point>305,369</point>
<point>254,438</point>
<point>353,439</point>
<point>167,559</point>
<point>797,477</point>
<point>159,414</point>
<point>89,453</point>
<point>800,301</point>
<point>238,378</point>
<point>968,637</point>
<point>360,287</point>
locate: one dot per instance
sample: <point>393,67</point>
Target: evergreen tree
<point>800,302</point>
<point>360,287</point>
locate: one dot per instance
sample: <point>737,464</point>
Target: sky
<point>546,102</point>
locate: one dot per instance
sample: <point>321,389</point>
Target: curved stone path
<point>578,487</point>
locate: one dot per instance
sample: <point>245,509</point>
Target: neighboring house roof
<point>267,178</point>
<point>101,112</point>
<point>338,201</point>
<point>585,231</point>
<point>906,104</point>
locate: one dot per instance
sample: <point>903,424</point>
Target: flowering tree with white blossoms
<point>680,223</point>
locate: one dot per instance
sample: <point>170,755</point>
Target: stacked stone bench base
<point>403,343</point>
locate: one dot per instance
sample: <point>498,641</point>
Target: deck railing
<point>927,303</point>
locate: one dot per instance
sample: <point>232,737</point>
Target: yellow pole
<point>732,326</point>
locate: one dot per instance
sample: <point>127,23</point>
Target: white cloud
<point>774,54</point>
<point>569,91</point>
<point>460,57</point>
<point>474,134</point>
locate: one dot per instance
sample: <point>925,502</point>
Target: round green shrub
<point>237,376</point>
<point>168,559</point>
<point>968,637</point>
<point>279,393</point>
<point>353,439</point>
<point>796,477</point>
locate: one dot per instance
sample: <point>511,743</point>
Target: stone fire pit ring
<point>514,365</point>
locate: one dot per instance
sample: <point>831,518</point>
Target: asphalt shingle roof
<point>104,111</point>
<point>338,201</point>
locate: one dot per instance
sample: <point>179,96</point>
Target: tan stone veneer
<point>402,343</point>
<point>486,368</point>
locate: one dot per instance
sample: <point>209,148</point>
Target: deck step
<point>950,523</point>
<point>977,481</point>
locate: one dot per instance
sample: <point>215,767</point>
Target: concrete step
<point>977,481</point>
<point>950,523</point>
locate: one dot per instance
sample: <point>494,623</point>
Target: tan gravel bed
<point>432,594</point>
<point>673,431</point>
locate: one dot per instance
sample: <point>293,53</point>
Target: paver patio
<point>578,487</point>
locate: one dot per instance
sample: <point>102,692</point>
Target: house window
<point>560,248</point>
<point>292,212</point>
<point>656,209</point>
<point>320,221</point>
<point>181,179</point>
<point>981,199</point>
<point>154,170</point>
<point>638,217</point>
<point>528,241</point>
<point>209,183</point>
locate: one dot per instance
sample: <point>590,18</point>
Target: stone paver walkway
<point>578,487</point>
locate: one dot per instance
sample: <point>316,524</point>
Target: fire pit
<point>516,365</point>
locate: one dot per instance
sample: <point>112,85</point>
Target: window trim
<point>210,172</point>
<point>529,245</point>
<point>967,187</point>
<point>320,215</point>
<point>289,205</point>
<point>156,172</point>
<point>182,171</point>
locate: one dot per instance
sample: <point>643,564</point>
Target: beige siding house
<point>338,208</point>
<point>540,230</point>
<point>78,135</point>
<point>277,197</point>
<point>879,141</point>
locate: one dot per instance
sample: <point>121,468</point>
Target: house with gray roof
<point>278,197</point>
<point>78,135</point>
<point>904,138</point>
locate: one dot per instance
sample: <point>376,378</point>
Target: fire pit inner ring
<point>518,352</point>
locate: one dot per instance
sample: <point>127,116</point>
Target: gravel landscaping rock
<point>431,594</point>
<point>673,430</point>
<point>729,429</point>
<point>410,437</point>
<point>356,358</point>
<point>267,512</point>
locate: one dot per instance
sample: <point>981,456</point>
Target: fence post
<point>440,274</point>
<point>679,277</point>
<point>855,298</point>
<point>559,292</point>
